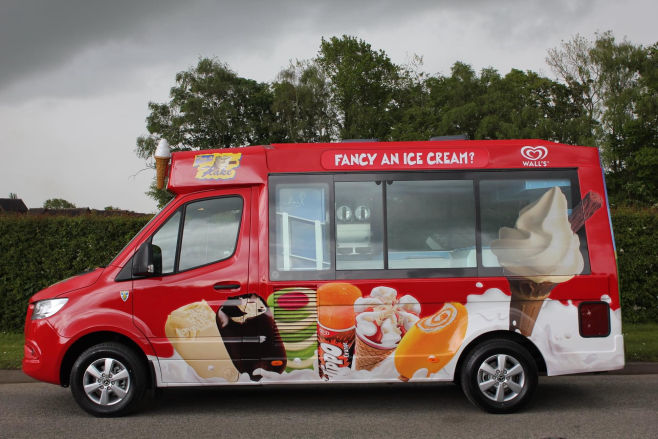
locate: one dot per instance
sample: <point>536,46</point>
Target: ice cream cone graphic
<point>527,300</point>
<point>161,155</point>
<point>540,252</point>
<point>368,356</point>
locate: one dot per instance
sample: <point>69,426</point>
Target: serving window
<point>395,225</point>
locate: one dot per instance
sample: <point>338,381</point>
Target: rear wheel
<point>499,376</point>
<point>108,379</point>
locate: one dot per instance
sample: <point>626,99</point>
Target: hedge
<point>636,236</point>
<point>37,251</point>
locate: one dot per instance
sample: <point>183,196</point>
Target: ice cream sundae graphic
<point>540,252</point>
<point>381,321</point>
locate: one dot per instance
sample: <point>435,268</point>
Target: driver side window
<point>209,234</point>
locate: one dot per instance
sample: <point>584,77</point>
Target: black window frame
<point>570,174</point>
<point>181,223</point>
<point>303,275</point>
<point>475,176</point>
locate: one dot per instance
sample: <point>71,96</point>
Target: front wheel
<point>108,379</point>
<point>499,376</point>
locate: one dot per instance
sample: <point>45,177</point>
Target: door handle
<point>227,286</point>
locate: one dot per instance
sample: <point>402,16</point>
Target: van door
<point>188,309</point>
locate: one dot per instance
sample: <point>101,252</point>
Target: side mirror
<point>147,261</point>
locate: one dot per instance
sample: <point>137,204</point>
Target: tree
<point>637,128</point>
<point>13,196</point>
<point>58,203</point>
<point>363,83</point>
<point>572,63</point>
<point>456,100</point>
<point>415,117</point>
<point>617,86</point>
<point>210,107</point>
<point>302,104</point>
<point>488,106</point>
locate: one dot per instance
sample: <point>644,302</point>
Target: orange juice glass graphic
<point>336,328</point>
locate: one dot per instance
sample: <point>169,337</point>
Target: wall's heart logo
<point>534,152</point>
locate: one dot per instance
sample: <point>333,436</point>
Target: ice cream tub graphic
<point>432,342</point>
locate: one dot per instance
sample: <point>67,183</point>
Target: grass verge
<point>640,340</point>
<point>11,350</point>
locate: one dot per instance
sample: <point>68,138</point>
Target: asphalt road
<point>586,406</point>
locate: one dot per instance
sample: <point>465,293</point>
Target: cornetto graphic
<point>217,166</point>
<point>535,156</point>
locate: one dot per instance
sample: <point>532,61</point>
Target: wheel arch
<point>94,338</point>
<point>505,335</point>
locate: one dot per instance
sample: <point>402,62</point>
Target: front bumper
<point>43,351</point>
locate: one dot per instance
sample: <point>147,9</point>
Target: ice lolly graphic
<point>336,328</point>
<point>432,342</point>
<point>192,331</point>
<point>161,155</point>
<point>295,313</point>
<point>381,321</point>
<point>541,251</point>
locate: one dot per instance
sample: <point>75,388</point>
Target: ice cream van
<point>486,263</point>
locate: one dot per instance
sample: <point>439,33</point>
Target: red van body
<point>318,275</point>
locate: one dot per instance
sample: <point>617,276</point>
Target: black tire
<point>499,376</point>
<point>113,393</point>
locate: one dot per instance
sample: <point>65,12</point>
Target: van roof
<point>198,170</point>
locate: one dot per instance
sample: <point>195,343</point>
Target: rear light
<point>594,319</point>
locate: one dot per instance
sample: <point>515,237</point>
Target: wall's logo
<point>217,166</point>
<point>535,156</point>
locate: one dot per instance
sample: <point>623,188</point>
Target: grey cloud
<point>87,47</point>
<point>42,35</point>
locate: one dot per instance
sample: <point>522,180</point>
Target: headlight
<point>46,308</point>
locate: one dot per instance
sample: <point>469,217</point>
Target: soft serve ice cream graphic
<point>540,252</point>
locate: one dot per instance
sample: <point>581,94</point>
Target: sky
<point>76,76</point>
